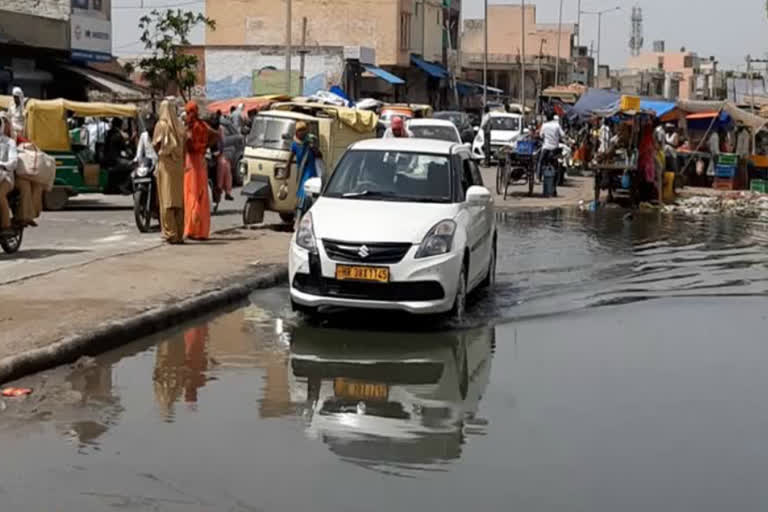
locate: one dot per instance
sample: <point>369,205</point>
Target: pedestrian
<point>144,149</point>
<point>397,129</point>
<point>197,204</point>
<point>223,166</point>
<point>168,140</point>
<point>16,111</point>
<point>605,136</point>
<point>8,160</point>
<point>714,150</point>
<point>304,152</point>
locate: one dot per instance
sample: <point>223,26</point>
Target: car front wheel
<point>460,301</point>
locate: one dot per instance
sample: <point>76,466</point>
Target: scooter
<point>145,205</point>
<point>11,241</point>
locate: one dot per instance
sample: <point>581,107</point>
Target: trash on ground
<point>744,204</point>
<point>16,392</point>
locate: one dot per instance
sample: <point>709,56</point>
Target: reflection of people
<point>197,204</point>
<point>196,361</point>
<point>168,140</point>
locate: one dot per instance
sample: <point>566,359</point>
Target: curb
<point>120,332</point>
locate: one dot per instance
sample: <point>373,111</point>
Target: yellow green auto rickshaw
<point>80,168</point>
<point>268,182</point>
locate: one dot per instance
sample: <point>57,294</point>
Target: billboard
<point>91,38</point>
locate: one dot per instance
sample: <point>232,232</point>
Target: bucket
<point>669,187</point>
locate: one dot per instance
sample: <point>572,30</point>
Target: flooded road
<point>620,365</point>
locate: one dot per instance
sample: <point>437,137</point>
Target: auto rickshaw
<point>269,183</point>
<point>78,169</point>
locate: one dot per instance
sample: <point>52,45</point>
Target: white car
<point>402,224</point>
<point>436,129</point>
<point>505,129</point>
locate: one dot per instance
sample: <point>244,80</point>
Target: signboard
<point>91,38</point>
<point>273,81</point>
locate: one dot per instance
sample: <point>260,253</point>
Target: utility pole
<point>522,60</point>
<point>559,35</point>
<point>288,48</point>
<point>578,23</point>
<point>599,15</point>
<point>485,57</point>
<point>302,54</point>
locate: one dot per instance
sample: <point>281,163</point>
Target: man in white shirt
<point>551,135</point>
<point>8,160</point>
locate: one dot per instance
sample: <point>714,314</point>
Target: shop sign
<point>91,38</point>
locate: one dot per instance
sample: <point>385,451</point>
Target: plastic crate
<point>728,159</point>
<point>525,147</point>
<point>724,184</point>
<point>725,171</point>
<point>759,186</point>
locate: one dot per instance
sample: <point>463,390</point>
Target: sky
<point>727,29</point>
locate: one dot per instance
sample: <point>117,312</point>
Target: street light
<point>599,15</point>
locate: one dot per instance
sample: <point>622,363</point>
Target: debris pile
<point>744,204</point>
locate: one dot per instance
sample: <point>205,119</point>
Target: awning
<point>120,88</point>
<point>384,74</point>
<point>702,115</point>
<point>432,69</point>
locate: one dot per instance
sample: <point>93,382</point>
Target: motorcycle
<point>145,205</point>
<point>11,241</point>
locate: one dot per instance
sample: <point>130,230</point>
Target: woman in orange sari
<point>197,204</point>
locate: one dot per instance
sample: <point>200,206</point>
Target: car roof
<point>503,114</point>
<point>407,145</point>
<point>287,114</point>
<point>430,122</point>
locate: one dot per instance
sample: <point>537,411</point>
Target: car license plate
<point>360,390</point>
<point>355,273</point>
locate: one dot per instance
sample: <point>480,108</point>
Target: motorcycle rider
<point>144,149</point>
<point>552,134</point>
<point>8,160</point>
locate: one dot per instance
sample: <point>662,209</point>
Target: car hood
<point>503,135</point>
<point>356,220</point>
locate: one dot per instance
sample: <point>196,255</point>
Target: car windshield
<point>435,132</point>
<point>454,117</point>
<point>272,133</point>
<point>511,124</point>
<point>392,176</point>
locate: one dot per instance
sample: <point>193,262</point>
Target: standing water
<point>619,365</point>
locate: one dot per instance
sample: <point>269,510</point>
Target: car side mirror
<point>478,196</point>
<point>313,186</point>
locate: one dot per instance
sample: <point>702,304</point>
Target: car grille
<point>374,252</point>
<point>395,292</point>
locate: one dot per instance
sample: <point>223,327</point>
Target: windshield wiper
<point>369,193</point>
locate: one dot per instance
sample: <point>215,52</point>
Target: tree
<point>163,35</point>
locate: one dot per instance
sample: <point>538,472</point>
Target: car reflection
<point>391,398</point>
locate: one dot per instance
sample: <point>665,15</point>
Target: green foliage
<point>163,33</point>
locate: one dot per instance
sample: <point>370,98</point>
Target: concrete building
<point>505,49</point>
<point>685,63</point>
<point>250,35</point>
<point>48,46</point>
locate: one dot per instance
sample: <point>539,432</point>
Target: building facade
<point>505,49</point>
<point>36,37</point>
<point>250,36</point>
<point>685,64</point>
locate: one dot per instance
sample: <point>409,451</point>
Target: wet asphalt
<point>618,365</point>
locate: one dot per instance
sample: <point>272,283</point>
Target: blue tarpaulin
<point>603,101</point>
<point>384,74</point>
<point>432,69</point>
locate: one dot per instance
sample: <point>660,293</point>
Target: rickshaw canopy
<point>361,121</point>
<point>47,119</point>
<point>5,101</point>
<point>258,103</point>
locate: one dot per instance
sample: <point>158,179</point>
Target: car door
<point>477,230</point>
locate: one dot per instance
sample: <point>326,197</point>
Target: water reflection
<point>180,365</point>
<point>381,398</point>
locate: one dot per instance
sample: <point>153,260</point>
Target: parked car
<point>402,224</point>
<point>436,129</point>
<point>461,120</point>
<point>505,129</point>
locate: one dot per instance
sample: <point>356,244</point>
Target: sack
<point>36,165</point>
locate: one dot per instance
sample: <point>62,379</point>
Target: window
<point>688,62</point>
<point>405,31</point>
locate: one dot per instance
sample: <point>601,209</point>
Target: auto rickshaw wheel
<point>253,212</point>
<point>55,200</point>
<point>288,218</point>
<point>12,243</point>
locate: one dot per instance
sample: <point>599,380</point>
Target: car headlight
<point>439,240</point>
<point>305,236</point>
<point>142,171</point>
<point>281,172</point>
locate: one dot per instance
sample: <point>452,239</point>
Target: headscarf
<point>169,132</point>
<point>198,130</point>
<point>17,112</point>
